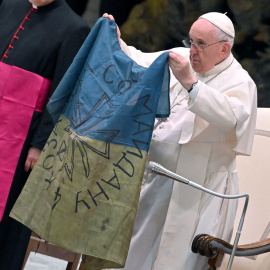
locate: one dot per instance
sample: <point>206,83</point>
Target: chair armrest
<point>209,246</point>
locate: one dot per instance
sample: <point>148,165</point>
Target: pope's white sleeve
<point>141,58</point>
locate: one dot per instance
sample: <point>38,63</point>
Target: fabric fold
<point>84,190</point>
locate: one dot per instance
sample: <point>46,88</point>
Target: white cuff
<point>194,92</point>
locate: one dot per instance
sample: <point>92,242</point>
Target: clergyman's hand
<point>180,67</point>
<point>111,18</point>
<point>32,157</point>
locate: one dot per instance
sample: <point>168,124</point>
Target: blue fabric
<point>107,96</point>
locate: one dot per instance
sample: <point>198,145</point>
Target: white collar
<point>218,68</point>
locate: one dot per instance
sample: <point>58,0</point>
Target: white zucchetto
<point>220,20</point>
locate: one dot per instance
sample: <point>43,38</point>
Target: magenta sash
<point>21,93</point>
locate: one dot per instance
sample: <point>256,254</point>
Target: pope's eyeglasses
<point>199,47</point>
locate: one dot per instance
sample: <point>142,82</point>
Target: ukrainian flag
<point>84,190</point>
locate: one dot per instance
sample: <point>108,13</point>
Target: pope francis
<point>213,112</point>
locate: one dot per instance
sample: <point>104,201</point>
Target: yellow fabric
<point>80,200</point>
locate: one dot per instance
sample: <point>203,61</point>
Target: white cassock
<point>199,141</point>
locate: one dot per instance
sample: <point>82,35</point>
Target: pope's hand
<point>181,69</point>
<point>111,18</point>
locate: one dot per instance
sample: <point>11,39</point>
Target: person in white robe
<point>213,114</point>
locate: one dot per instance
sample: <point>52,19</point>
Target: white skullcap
<point>220,20</point>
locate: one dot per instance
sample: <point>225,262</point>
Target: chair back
<point>254,179</point>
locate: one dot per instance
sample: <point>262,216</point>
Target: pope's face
<point>202,33</point>
<point>40,3</point>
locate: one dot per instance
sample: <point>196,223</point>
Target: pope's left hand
<point>181,69</point>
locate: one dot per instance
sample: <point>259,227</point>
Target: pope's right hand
<point>111,18</point>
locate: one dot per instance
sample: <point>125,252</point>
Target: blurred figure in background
<point>120,8</point>
<point>78,6</point>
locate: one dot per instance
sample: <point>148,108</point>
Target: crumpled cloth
<point>83,192</point>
